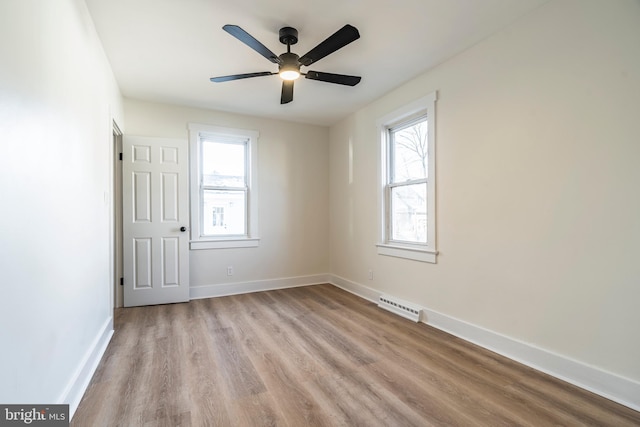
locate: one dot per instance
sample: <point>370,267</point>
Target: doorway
<point>118,294</point>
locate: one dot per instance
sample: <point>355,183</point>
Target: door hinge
<point>122,281</point>
<point>120,156</point>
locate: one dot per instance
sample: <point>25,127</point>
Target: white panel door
<point>155,220</point>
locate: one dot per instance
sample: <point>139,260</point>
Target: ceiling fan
<point>289,63</point>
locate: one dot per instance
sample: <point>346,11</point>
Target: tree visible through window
<point>408,151</point>
<point>406,192</point>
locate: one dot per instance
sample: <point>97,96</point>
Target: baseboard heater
<point>399,307</point>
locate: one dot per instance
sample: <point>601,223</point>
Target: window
<point>224,203</point>
<point>407,184</point>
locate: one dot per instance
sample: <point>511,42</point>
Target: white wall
<point>57,101</point>
<point>293,174</point>
<point>538,205</point>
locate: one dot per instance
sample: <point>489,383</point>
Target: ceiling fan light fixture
<point>289,66</point>
<point>289,73</point>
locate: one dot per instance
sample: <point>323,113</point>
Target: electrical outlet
<point>370,274</point>
<point>230,270</point>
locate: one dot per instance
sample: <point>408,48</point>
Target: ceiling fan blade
<point>340,79</point>
<point>337,40</point>
<point>287,92</point>
<point>240,76</point>
<point>250,41</point>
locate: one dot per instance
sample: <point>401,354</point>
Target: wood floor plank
<point>283,376</point>
<point>278,335</point>
<point>241,377</point>
<point>206,392</point>
<point>316,356</point>
<point>256,410</point>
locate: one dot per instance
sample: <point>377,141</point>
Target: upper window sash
<point>240,141</point>
<point>392,146</point>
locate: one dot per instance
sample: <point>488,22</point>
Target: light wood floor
<point>316,356</point>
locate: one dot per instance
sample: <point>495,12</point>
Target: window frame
<point>197,134</point>
<point>424,106</point>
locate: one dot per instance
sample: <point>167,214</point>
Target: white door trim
<point>116,222</point>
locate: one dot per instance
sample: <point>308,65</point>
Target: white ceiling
<point>166,50</point>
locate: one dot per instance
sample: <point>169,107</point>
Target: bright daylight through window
<point>408,182</point>
<point>223,195</point>
<point>224,187</point>
<point>407,192</point>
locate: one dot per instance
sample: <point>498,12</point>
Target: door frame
<point>117,293</point>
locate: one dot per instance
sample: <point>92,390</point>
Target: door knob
<point>183,229</point>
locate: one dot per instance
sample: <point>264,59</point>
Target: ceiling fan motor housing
<point>289,59</point>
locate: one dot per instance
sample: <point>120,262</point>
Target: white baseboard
<point>80,381</point>
<point>603,383</point>
<point>355,288</point>
<point>611,386</point>
<point>225,289</point>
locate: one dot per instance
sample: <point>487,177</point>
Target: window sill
<point>407,252</point>
<point>224,243</point>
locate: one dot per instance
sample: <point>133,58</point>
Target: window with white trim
<point>407,184</point>
<point>224,198</point>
